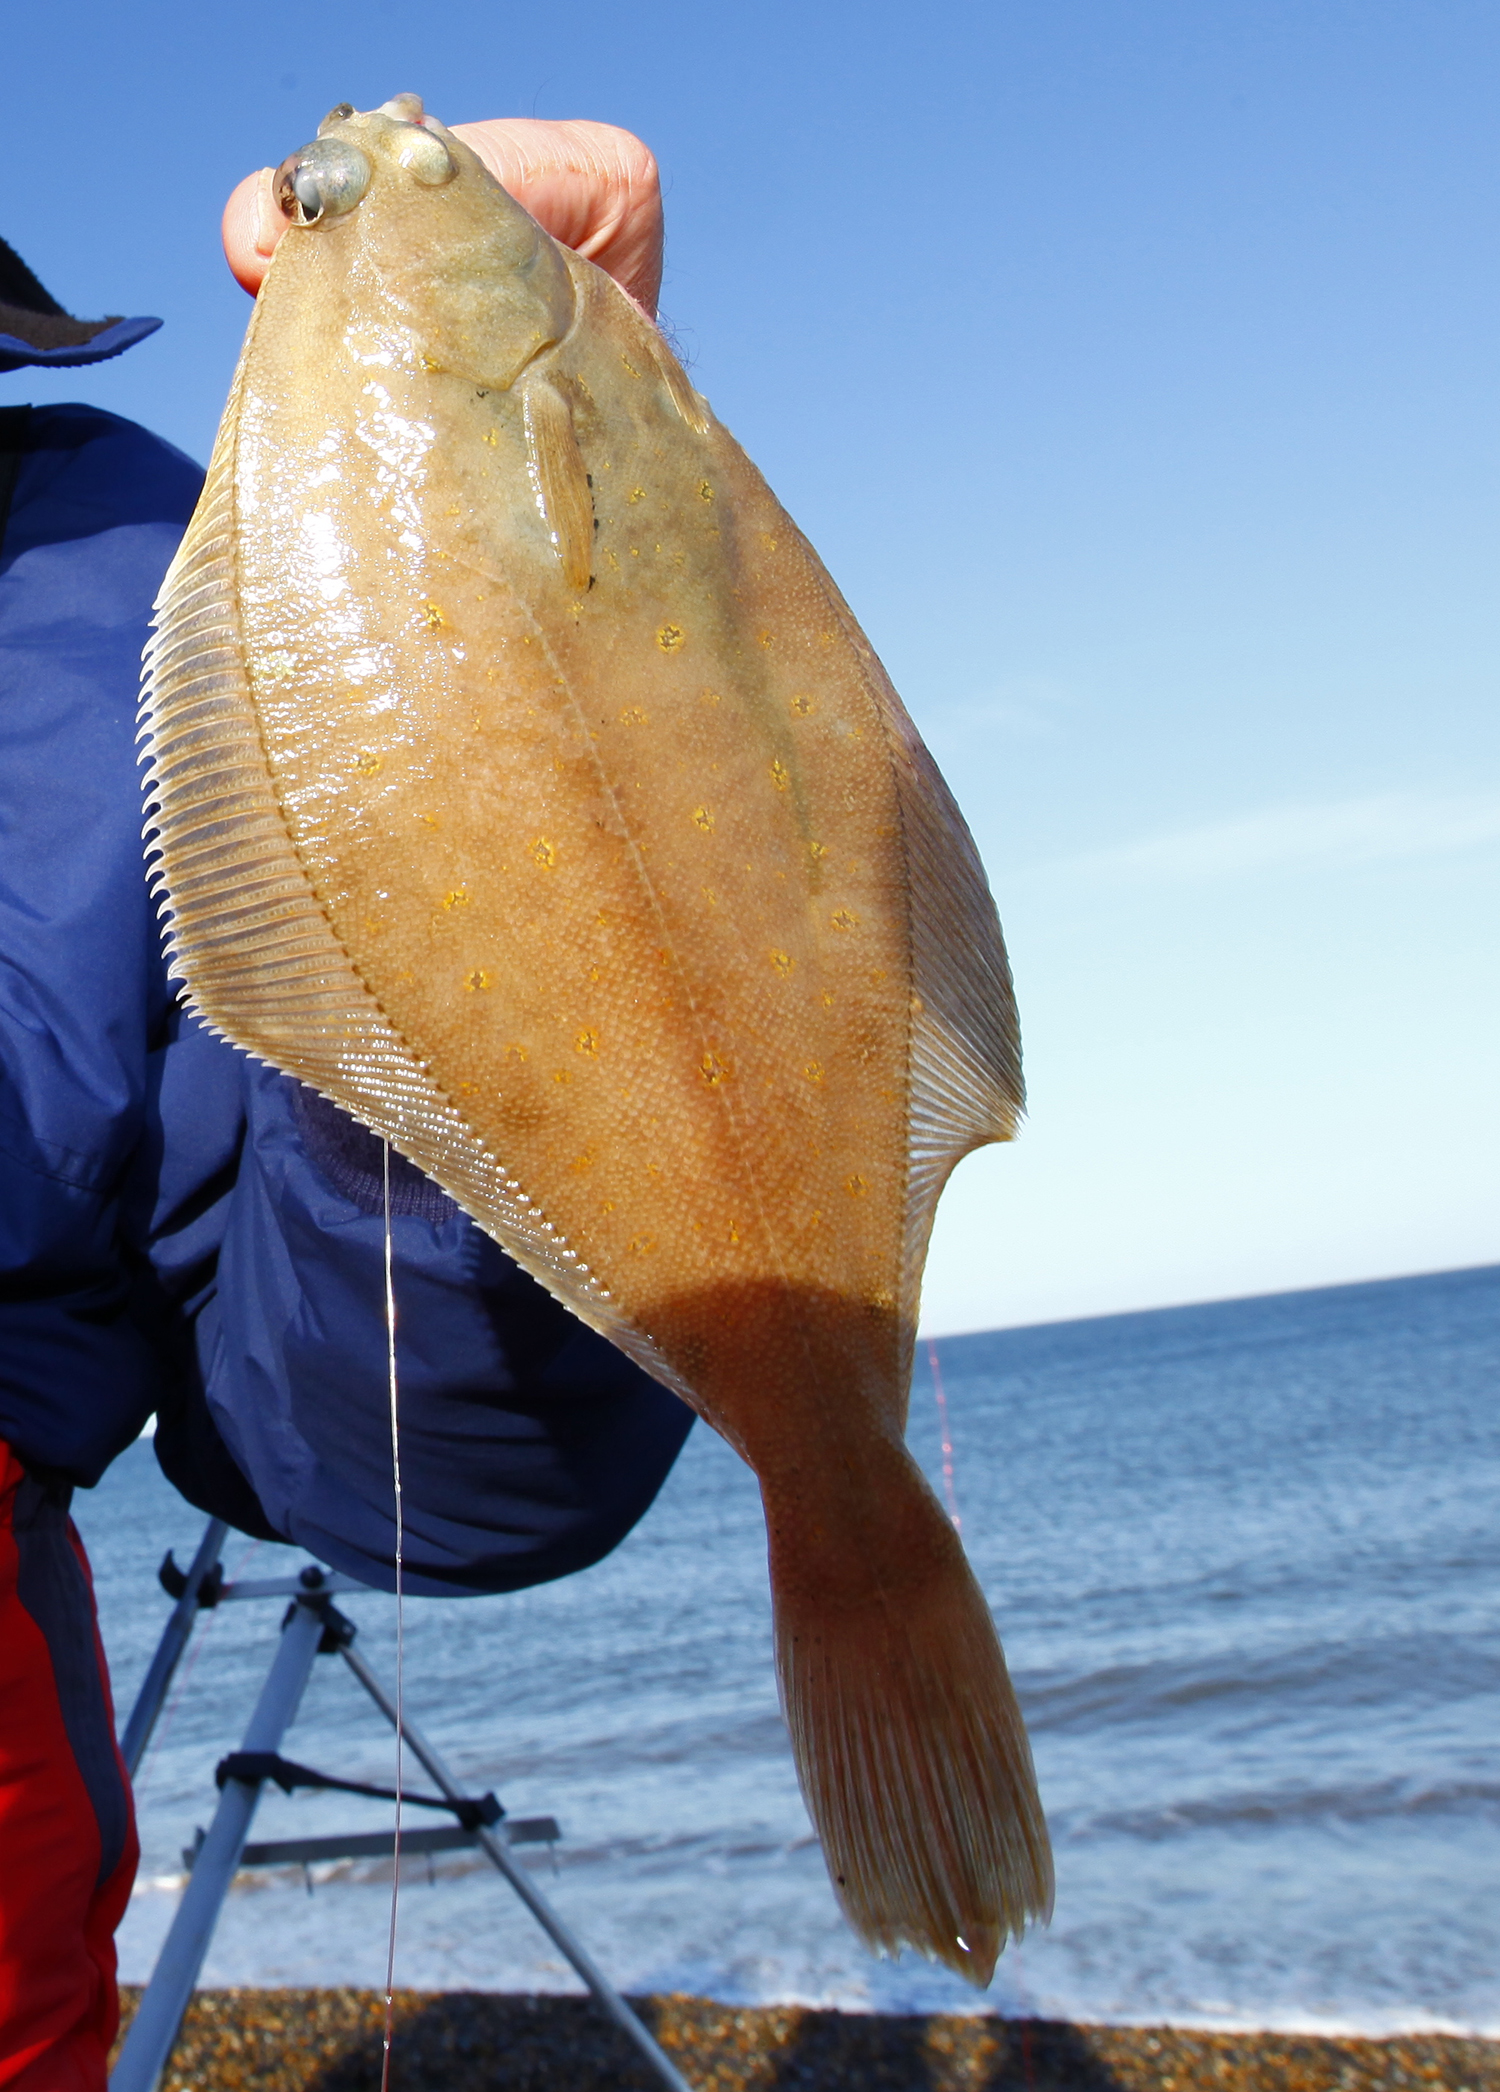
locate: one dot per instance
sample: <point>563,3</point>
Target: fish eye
<point>325,179</point>
<point>423,155</point>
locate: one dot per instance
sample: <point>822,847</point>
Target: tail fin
<point>910,1747</point>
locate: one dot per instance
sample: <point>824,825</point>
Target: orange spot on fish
<point>477,979</point>
<point>588,1042</point>
<point>802,706</point>
<point>814,1071</point>
<point>856,1187</point>
<point>713,1070</point>
<point>367,762</point>
<point>633,715</point>
<point>544,853</point>
<point>458,898</point>
<point>844,919</point>
<point>432,617</point>
<point>703,818</point>
<point>670,638</point>
<point>783,963</point>
<point>781,777</point>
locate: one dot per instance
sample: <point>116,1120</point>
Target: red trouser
<point>68,1849</point>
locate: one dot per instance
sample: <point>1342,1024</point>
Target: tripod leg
<point>154,2028</point>
<point>497,1851</point>
<point>174,1639</point>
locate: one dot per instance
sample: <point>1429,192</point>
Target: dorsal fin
<point>964,1068</point>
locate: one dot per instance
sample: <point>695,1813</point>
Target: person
<point>186,1232</point>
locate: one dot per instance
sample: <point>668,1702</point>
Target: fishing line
<point>390,1366</point>
<point>947,1442</point>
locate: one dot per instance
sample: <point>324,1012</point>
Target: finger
<point>252,226</point>
<point>591,185</point>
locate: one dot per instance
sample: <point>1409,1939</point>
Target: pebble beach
<point>330,2041</point>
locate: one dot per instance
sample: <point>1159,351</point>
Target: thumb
<point>252,226</point>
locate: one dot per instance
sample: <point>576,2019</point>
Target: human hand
<point>590,185</point>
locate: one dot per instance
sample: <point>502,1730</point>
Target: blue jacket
<point>184,1231</point>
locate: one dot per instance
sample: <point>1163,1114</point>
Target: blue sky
<point>1133,368</point>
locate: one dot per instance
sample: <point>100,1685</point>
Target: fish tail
<point>910,1747</point>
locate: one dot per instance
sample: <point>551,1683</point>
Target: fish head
<point>403,222</point>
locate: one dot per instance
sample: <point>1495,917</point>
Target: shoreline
<point>329,2040</point>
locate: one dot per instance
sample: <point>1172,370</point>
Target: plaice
<point>521,780</point>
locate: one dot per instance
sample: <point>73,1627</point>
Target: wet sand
<point>330,2041</point>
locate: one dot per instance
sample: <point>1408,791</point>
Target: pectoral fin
<point>559,479</point>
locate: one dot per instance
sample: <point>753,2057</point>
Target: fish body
<point>522,782</point>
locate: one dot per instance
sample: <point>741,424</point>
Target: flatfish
<point>521,781</point>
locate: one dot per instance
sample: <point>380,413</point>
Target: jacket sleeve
<point>97,508</point>
<point>529,1445</point>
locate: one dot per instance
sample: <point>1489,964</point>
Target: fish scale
<point>522,781</point>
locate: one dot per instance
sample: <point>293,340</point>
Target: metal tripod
<point>313,1626</point>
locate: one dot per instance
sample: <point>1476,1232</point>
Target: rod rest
<point>252,1767</point>
<point>174,1581</point>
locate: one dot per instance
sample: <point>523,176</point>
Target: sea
<point>1245,1560</point>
